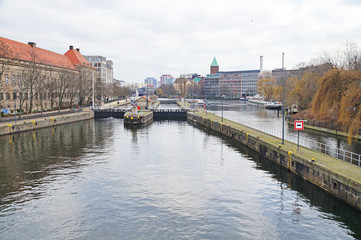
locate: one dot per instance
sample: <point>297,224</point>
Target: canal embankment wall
<point>331,131</point>
<point>340,179</point>
<point>37,123</point>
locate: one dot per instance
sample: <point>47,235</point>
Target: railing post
<point>351,157</point>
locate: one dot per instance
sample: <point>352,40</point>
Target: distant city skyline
<point>151,38</point>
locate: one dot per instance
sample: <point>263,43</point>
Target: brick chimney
<point>32,44</point>
<point>78,49</point>
<point>71,47</point>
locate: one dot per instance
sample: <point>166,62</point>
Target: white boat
<point>274,105</point>
<point>257,103</point>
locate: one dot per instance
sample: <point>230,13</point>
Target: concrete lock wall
<point>339,186</point>
<point>33,124</point>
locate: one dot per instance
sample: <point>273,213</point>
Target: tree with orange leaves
<point>339,97</point>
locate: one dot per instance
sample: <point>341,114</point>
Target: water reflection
<point>305,194</point>
<point>30,159</point>
<point>169,180</point>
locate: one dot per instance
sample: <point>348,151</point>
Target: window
<point>14,95</point>
<point>1,96</point>
<point>7,96</point>
<point>19,80</point>
<point>6,79</point>
<point>13,80</point>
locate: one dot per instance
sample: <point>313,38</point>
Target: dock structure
<point>159,114</point>
<point>138,118</point>
<point>340,179</point>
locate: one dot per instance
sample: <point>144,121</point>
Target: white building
<point>104,67</point>
<point>166,79</point>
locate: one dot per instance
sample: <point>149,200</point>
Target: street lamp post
<point>147,96</point>
<point>283,115</point>
<point>222,106</point>
<point>93,97</point>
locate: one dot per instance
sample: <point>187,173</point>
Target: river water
<point>169,180</point>
<point>268,121</point>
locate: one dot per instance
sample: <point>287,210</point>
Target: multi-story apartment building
<point>36,78</point>
<point>103,66</point>
<point>151,82</point>
<point>233,84</point>
<point>110,77</point>
<point>166,79</point>
<point>211,85</point>
<point>237,84</point>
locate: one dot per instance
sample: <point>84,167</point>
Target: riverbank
<point>328,125</point>
<point>326,130</point>
<point>337,177</point>
<point>22,125</point>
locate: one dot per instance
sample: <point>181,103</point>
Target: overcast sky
<point>149,38</point>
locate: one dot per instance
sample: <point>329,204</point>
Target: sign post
<point>205,105</point>
<point>298,126</point>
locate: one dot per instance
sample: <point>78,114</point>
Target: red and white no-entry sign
<point>298,125</point>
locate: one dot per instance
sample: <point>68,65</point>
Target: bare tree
<point>6,54</point>
<point>168,89</point>
<point>84,85</point>
<point>32,74</point>
<point>39,89</point>
<point>63,85</point>
<point>73,90</point>
<point>348,58</point>
<point>21,90</point>
<point>51,87</point>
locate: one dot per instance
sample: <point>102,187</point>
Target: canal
<point>170,180</point>
<point>268,121</point>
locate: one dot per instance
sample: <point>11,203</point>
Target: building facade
<point>103,67</point>
<point>32,78</point>
<point>151,82</point>
<point>231,84</point>
<point>211,85</point>
<point>166,79</point>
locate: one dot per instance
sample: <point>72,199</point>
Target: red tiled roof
<point>76,58</point>
<point>25,52</point>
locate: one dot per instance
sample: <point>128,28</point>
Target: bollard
<point>34,124</point>
<point>9,128</point>
<point>289,160</point>
<point>312,159</point>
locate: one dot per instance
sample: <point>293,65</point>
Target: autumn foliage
<point>339,97</point>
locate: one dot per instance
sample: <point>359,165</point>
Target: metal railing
<point>348,156</point>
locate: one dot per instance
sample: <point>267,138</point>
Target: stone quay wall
<point>320,170</point>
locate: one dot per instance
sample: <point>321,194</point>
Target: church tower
<point>214,66</point>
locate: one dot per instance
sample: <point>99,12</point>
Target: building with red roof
<point>36,78</point>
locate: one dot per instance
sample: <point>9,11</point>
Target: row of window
<point>17,79</point>
<point>6,96</point>
<point>93,58</point>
